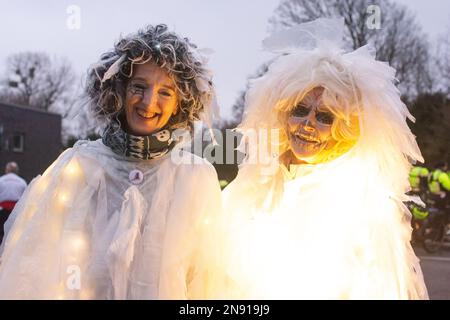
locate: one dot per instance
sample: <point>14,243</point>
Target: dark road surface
<point>436,270</point>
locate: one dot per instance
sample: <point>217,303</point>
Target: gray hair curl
<point>107,79</point>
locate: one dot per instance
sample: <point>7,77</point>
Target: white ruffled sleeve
<point>196,214</point>
<point>45,223</point>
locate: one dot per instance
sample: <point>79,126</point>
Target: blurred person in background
<point>12,187</point>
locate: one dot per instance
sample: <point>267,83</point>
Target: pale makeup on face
<point>151,99</point>
<point>308,127</point>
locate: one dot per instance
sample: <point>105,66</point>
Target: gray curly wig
<point>107,80</point>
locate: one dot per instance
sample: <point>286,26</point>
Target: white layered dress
<point>83,230</point>
<point>338,231</point>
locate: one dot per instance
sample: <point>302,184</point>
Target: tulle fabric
<point>156,240</point>
<point>335,230</point>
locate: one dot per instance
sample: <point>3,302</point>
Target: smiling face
<point>151,99</point>
<point>308,127</point>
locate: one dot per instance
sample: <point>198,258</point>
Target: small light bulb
<point>63,197</point>
<point>72,169</point>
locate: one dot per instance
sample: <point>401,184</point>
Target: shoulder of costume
<point>91,149</point>
<point>195,164</point>
<point>83,159</point>
<point>88,145</point>
<point>81,149</point>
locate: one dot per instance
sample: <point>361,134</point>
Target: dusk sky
<point>233,29</point>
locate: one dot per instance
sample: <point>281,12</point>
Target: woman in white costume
<point>124,217</point>
<point>322,216</point>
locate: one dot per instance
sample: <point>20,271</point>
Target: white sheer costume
<point>82,230</point>
<point>337,229</point>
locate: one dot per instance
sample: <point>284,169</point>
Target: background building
<point>30,137</point>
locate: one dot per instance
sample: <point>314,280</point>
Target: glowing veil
<point>335,230</point>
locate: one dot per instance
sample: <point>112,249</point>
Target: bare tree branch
<point>400,41</point>
<point>238,107</point>
<point>36,80</point>
<point>443,62</point>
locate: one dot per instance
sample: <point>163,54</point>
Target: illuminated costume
<point>121,217</point>
<point>336,228</point>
